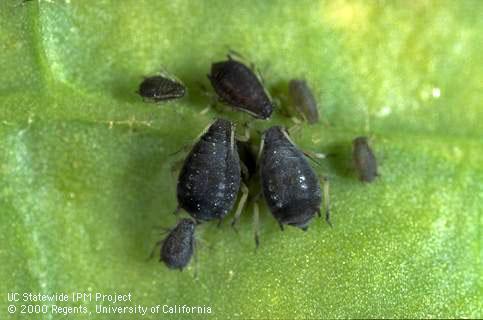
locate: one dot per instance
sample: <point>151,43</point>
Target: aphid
<point>178,247</point>
<point>161,88</point>
<point>365,162</point>
<point>290,186</point>
<point>303,100</point>
<point>210,178</point>
<point>238,86</point>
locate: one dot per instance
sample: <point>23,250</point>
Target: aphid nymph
<point>178,247</point>
<point>289,185</point>
<point>365,162</point>
<point>238,86</point>
<point>302,99</point>
<point>161,88</point>
<point>210,178</point>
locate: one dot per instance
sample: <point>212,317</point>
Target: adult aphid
<point>210,178</point>
<point>365,162</point>
<point>161,88</point>
<point>238,86</point>
<point>302,99</point>
<point>289,185</point>
<point>178,247</point>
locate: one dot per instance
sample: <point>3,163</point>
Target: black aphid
<point>161,88</point>
<point>364,160</point>
<point>238,86</point>
<point>210,178</point>
<point>303,100</point>
<point>178,247</point>
<point>290,186</point>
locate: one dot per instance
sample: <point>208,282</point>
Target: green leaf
<point>86,168</point>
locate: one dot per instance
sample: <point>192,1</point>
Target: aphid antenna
<point>311,155</point>
<point>153,250</point>
<point>256,225</point>
<point>325,186</point>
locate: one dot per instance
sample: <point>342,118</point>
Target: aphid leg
<point>177,210</point>
<point>281,226</point>
<point>244,170</point>
<point>163,229</point>
<point>296,126</point>
<point>246,133</point>
<point>195,251</point>
<point>256,225</point>
<point>241,204</point>
<point>325,186</point>
<point>156,245</point>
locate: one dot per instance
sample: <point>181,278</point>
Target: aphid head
<point>276,135</point>
<point>186,225</point>
<point>360,141</point>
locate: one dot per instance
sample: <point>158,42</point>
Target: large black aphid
<point>178,247</point>
<point>238,86</point>
<point>364,160</point>
<point>289,185</point>
<point>161,88</point>
<point>210,178</point>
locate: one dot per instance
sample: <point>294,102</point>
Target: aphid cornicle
<point>160,88</point>
<point>303,100</point>
<point>178,247</point>
<point>289,185</point>
<point>210,178</point>
<point>238,86</point>
<point>365,162</point>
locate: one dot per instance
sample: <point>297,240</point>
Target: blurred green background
<point>86,167</point>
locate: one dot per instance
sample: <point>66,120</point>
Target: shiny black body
<point>238,86</point>
<point>290,186</point>
<point>178,246</point>
<point>210,178</point>
<point>364,160</point>
<point>159,88</point>
<point>303,100</point>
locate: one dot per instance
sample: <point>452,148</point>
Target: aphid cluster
<point>218,167</point>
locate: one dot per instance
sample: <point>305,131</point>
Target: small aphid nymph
<point>302,99</point>
<point>238,86</point>
<point>210,179</point>
<point>160,88</point>
<point>178,247</point>
<point>365,162</point>
<point>289,185</point>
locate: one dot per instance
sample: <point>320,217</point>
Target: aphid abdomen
<point>210,178</point>
<point>304,101</point>
<point>364,160</point>
<point>290,186</point>
<point>178,247</point>
<point>239,87</point>
<point>159,88</point>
